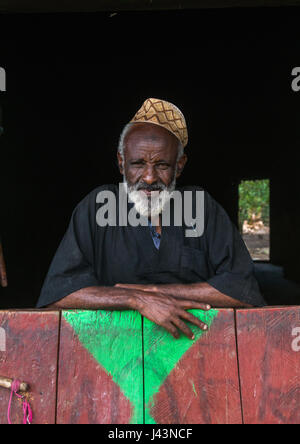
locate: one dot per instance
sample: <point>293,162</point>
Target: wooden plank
<point>100,368</point>
<point>193,382</point>
<point>269,362</point>
<point>28,352</point>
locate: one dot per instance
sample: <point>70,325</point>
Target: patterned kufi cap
<point>164,114</point>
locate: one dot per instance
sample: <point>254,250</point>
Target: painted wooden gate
<point>269,360</point>
<point>28,351</point>
<point>102,367</point>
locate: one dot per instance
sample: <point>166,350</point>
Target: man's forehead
<point>149,154</point>
<point>140,132</point>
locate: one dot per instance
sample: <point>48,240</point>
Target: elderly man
<point>154,268</point>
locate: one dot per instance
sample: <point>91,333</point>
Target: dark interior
<point>75,79</point>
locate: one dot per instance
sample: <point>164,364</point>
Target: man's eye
<point>162,166</point>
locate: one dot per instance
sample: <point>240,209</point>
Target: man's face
<point>150,165</point>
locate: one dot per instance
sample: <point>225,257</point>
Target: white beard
<point>148,206</point>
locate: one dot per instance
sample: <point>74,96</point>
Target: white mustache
<point>147,205</point>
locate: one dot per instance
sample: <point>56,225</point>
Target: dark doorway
<point>73,82</point>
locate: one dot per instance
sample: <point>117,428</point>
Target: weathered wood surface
<point>28,352</point>
<point>100,368</point>
<point>193,382</point>
<point>269,362</point>
<point>115,367</point>
<point>8,383</point>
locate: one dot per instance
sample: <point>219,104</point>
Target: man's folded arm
<point>95,298</point>
<point>201,292</point>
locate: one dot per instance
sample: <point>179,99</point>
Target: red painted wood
<point>87,394</point>
<point>203,388</point>
<point>269,367</point>
<point>28,352</point>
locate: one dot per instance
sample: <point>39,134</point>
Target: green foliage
<point>254,199</point>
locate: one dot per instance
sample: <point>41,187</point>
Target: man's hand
<point>168,312</point>
<point>3,277</point>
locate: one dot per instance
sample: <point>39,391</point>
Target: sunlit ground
<point>257,241</point>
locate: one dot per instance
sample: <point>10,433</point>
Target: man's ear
<point>180,164</point>
<point>120,163</point>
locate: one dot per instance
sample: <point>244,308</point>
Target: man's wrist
<point>132,301</point>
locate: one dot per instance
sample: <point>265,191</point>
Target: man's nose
<point>149,175</point>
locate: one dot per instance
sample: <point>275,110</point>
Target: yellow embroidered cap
<point>165,114</point>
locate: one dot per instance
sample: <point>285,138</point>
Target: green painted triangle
<point>114,340</point>
<point>162,352</point>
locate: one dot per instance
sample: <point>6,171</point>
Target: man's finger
<point>191,318</point>
<point>188,305</point>
<point>183,327</point>
<point>172,329</point>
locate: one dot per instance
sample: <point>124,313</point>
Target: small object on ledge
<point>7,383</point>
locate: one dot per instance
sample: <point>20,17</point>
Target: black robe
<point>90,255</point>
